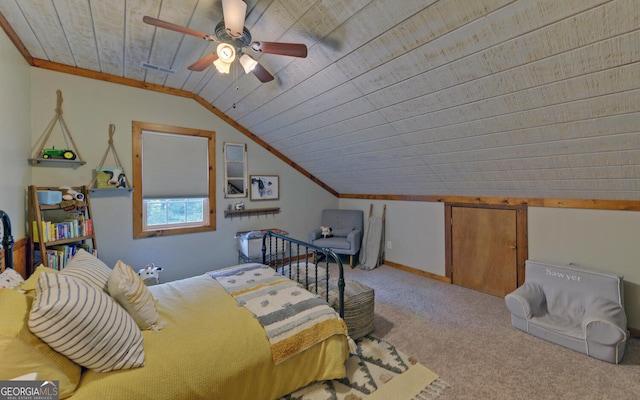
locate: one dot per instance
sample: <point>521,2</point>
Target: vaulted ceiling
<point>529,98</point>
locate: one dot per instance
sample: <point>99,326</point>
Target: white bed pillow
<point>130,291</point>
<point>88,269</point>
<point>85,324</point>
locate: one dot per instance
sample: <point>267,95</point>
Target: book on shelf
<point>69,229</point>
<point>59,256</point>
<point>88,227</point>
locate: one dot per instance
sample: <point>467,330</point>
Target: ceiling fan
<point>232,38</point>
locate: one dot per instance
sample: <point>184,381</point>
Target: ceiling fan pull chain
<point>235,76</point>
<point>235,80</point>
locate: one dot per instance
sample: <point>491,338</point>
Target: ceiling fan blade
<point>177,28</point>
<point>203,63</point>
<point>283,49</point>
<point>261,73</point>
<point>234,12</point>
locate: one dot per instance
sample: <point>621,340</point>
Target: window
<point>174,180</point>
<point>235,170</point>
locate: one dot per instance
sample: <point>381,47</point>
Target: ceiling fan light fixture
<point>234,12</point>
<point>248,63</point>
<point>232,38</point>
<point>226,52</point>
<point>226,55</point>
<point>222,66</point>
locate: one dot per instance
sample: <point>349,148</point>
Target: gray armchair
<point>346,232</point>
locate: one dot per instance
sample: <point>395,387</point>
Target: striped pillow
<point>22,351</point>
<point>85,324</point>
<point>88,269</point>
<point>130,291</point>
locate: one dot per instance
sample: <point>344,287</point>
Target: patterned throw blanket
<point>293,318</point>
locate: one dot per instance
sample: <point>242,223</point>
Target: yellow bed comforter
<point>211,348</point>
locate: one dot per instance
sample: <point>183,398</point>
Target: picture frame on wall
<point>265,187</point>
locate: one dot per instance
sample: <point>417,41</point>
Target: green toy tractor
<point>58,153</point>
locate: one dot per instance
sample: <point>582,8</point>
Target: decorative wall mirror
<point>235,170</point>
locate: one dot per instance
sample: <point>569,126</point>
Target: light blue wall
<point>604,240</point>
<point>15,134</point>
<point>414,230</point>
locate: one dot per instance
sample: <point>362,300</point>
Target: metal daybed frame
<point>291,258</point>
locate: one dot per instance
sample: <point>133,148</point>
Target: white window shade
<point>167,175</point>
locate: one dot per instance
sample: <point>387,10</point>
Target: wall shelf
<point>251,211</point>
<point>40,152</point>
<point>56,162</point>
<point>116,190</point>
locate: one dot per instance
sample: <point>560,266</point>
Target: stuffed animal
<point>71,199</point>
<point>71,194</point>
<point>150,274</point>
<point>325,231</point>
<point>117,178</point>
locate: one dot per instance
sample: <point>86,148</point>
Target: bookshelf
<point>58,230</point>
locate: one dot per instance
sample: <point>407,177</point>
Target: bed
<point>207,341</point>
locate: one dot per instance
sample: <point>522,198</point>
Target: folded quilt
<point>293,318</point>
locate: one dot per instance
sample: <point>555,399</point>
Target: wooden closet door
<point>483,244</point>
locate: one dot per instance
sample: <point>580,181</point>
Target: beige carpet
<point>376,370</point>
<point>467,338</point>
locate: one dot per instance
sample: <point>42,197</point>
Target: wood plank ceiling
<point>529,98</point>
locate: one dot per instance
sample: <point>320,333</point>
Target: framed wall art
<point>265,187</point>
